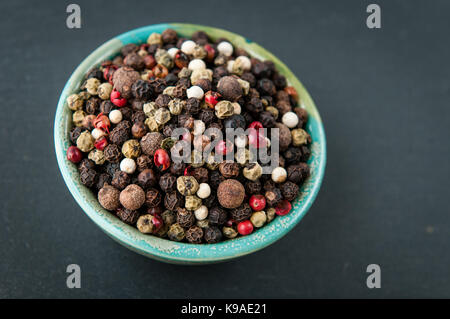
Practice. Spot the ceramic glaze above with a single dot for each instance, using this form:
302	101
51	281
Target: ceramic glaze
163	249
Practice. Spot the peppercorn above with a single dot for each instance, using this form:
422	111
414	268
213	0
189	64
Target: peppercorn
145	224
192	106
289	190
138	130
224	109
176	106
120	180
177	168
143	162
86	164
284	135
185	218
92	85
187	185
162	101
215	178
207	116
241	213
217	216
279	175
192	202
75	102
212	235
300	137
142	90
173	200
147	178
75	133
229	88
292	155
230	193
273	196
153	197
198	76
176	232
283	107
169	217
253	187
258	219
129	217
132	197
112	153
151	142
85	142
119	135
252	171
194	235
164	59
255	105
297	173
302	116
88	177
131	149
108	197
229	169
229	232
123	79
97	156
167	182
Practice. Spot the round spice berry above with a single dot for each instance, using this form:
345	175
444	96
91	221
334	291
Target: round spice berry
120	180
194	235
229	88
290	119
185	218
217	216
147	178
201	213
229	232
176	232
131	149
132	197
129	217
241	213
187	185
88	177
115	116
212	235
258	219
253	187
128	165
245	228
151	142
153	197
108	197
123	79
298	173
167	182
229	169
273	196
300	137
230	193
145	224
74	154
169	217
75	102
257	202
289	190
204	191
85	142
161	159
173	200
279	175
283	208
192	202
252	171
97	156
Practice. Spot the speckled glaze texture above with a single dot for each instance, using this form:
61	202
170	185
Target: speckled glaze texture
162	249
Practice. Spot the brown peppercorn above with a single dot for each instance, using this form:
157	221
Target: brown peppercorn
144	162
138	116
132	197
285	137
283	107
292	155
179	92
289	190
176	232
108	197
153	197
200	174
217	216
119	135
192	105
123	79
230	193
229	88
169	36
194	235
138	130
273	196
167	182
106	107
266	87
129	48
212	235
147	178
173	200
151	142
88	177
185	218
241	213
297	173
129	217
229	169
134	61
253	187
302	116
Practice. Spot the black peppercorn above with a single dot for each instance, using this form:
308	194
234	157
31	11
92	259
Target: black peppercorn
138	130
260	69
171	79
162	100
212	235
167	182
143	162
229	169
111	168
217	216
241	213
250	78
120	180
279	81
306	153
177	168
153	197
200	36
229	88
297	173
112	153
127	216
266	87
207	116
254	105
253	187
142	90
205	84
169	36
215	178
185	218
92	105
211	201
194	235
235	121
102	179
86	164
119	135
134	61
95	73
289	190
106	107
158	85
292	155
200	174
219	73
75	133
138	117
179	92
129	48
173	200
267	119
147	178
192	105
273	196
88	177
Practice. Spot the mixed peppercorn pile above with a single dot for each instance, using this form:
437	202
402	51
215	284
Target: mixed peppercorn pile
127	109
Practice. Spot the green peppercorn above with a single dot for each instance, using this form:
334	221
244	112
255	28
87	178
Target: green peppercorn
162	116
224	109
97	156
78	117
131	149
85	142
92	85
192	202
187	185
300	137
74	102
229	232
258	219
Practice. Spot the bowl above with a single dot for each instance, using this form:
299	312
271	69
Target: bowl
163	249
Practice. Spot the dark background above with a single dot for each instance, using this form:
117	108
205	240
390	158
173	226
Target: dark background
384	99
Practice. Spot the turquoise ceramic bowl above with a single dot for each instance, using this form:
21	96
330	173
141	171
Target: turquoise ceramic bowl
162	249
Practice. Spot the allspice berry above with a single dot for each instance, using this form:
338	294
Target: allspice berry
229	88
123	79
108	197
230	193
132	197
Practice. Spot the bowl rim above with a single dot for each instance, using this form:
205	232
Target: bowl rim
164	249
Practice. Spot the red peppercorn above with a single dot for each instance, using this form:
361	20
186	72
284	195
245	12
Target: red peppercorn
74	154
211	98
256	125
101	143
256	139
257	202
161	159
149	61
210	52
102	122
245	228
230	222
223	147
188	171
154	210
157	222
117	99
283	208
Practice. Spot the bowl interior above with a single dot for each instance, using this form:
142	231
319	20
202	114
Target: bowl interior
166	250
